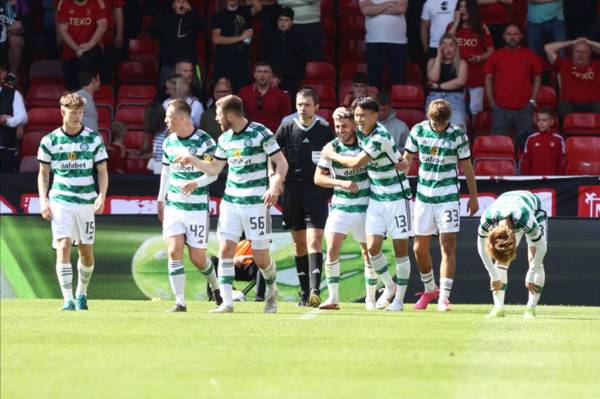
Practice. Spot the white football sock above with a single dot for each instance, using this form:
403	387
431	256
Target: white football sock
83	277
370	283
226	275
499	295
428	280
210	274
64	272
270	275
332	272
177	280
539	279
402	275
379	263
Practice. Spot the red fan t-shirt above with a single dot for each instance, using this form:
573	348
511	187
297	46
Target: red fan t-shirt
494	14
513	71
578	84
82	21
470	43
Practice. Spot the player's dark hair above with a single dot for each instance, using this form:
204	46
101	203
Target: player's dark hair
308	91
231	104
366	103
180	106
286	12
86	76
439	111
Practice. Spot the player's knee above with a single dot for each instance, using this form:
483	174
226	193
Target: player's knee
448	248
420	250
199	260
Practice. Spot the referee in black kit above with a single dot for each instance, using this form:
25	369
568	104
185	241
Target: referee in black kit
305	205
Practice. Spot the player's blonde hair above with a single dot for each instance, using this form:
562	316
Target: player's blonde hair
72	101
502	244
343	113
439	112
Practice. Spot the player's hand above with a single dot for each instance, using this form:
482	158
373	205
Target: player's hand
45	210
189	188
496	285
160	210
270	197
185	159
99	205
531	287
473	205
402	166
328	151
349	185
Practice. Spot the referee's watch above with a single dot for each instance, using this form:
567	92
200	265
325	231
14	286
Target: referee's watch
532	101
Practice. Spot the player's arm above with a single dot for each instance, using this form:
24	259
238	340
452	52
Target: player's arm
467	167
102	169
213	167
488	263
202	181
323	179
357	161
43	182
165	176
276	179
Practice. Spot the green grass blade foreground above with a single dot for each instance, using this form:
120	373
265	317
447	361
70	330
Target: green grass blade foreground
134	349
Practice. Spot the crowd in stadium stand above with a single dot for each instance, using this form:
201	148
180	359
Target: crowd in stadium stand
526	70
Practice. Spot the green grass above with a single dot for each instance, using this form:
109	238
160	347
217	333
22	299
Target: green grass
134	349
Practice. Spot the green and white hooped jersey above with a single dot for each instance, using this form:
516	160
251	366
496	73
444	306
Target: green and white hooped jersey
198	144
522	207
439	154
387	183
345	200
246	153
72	160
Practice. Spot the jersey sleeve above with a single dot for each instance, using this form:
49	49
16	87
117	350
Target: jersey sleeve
165	154
100	154
269	143
485	224
462	146
412	143
44	155
220	152
374	146
325	163
425	13
208	148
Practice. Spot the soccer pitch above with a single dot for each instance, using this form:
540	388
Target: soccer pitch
134	349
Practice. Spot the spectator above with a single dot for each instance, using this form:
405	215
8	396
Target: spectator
512	82
360	88
283	50
262	102
50	33
305	204
89	82
447	75
176	35
496	15
436	16
117	160
307	23
387	117
12	115
579	77
154	125
113	39
14	20
81	26
545	24
231	33
190	72
475	45
177	87
385	24
208	121
545	152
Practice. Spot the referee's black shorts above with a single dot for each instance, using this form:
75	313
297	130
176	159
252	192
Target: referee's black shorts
304	206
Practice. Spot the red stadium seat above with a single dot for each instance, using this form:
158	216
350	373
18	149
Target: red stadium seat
413	74
43	119
327	98
494	167
327	114
137	72
48	71
44	94
30	143
352	27
105	134
329	26
319	72
352	50
410	116
135	138
105	97
546	98
29	164
407	96
579	123
138	166
349	69
483	122
135	95
583	155
143	49
493	146
132	116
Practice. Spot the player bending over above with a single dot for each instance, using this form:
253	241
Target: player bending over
348	207
388	212
442	146
501	228
71	152
249	193
184	214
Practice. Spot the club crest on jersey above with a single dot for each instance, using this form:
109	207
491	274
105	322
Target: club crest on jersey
247	143
85	147
207	157
72	156
434	151
237	153
192	150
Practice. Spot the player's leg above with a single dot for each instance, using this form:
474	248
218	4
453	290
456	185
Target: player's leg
332	269
85	269
498	295
175	245
302	264
402	274
375	229
447	269
398	227
370	278
425	227
64	270
203	263
538	276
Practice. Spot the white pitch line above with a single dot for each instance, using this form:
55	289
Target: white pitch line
311	314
